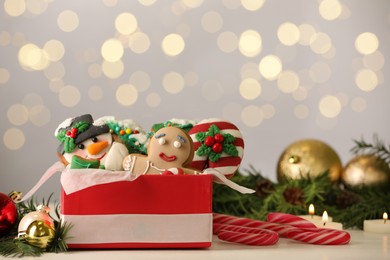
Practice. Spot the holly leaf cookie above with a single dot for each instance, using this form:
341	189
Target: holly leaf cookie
218	144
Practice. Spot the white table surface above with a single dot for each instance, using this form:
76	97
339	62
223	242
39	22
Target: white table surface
363	245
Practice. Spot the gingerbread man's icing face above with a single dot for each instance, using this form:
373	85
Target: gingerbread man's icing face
170	147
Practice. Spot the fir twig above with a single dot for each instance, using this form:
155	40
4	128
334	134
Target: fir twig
377	148
18	248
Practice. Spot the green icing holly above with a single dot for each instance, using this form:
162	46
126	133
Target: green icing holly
67	137
214	143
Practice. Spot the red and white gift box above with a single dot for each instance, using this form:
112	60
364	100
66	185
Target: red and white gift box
118	210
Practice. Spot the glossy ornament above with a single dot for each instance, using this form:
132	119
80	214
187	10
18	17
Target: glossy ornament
8	214
308	158
37	227
40	233
366	171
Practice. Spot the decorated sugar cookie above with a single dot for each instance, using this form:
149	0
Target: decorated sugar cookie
218	144
170	150
88	144
128	132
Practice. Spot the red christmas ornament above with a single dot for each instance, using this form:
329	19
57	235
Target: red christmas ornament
8	214
209	141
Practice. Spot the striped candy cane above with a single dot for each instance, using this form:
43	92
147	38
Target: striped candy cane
282	230
291	220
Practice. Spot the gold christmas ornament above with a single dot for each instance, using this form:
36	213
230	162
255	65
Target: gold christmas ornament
368	171
40	234
308	158
37	227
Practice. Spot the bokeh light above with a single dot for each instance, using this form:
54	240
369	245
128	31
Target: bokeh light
54	49
268	110
55	71
250	43
227	42
250	89
320	43
374	61
192	3
112	50
113	70
212	22
17	114
366	43
68	21
14	139
173	82
126	23
329	106
4	76
191	78
147	2
39	115
37	7
252	5
366	80
14	7
126	95
153	100
250	70
173	44
288	34
141	80
95	93
31	57
330	9
270	67
288	81
301	111
5	38
306	32
358	104
95	70
139	42
252	116
69	96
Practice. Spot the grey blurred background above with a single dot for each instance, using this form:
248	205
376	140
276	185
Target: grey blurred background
280	70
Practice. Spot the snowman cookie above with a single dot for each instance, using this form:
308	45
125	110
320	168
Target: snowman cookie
88	144
170	151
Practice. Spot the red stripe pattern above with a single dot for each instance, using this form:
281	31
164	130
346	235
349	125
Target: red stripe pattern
250	232
227	165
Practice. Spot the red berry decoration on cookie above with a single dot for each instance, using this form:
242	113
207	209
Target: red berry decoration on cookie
218	144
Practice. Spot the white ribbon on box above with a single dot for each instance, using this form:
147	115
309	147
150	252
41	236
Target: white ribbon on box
81	179
84	178
139	228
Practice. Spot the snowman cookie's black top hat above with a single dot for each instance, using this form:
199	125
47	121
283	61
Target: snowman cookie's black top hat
74	131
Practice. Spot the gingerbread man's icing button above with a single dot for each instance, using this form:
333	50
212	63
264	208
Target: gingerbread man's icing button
169	147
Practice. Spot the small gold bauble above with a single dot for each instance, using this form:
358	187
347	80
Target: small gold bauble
40	214
308	158
40	233
368	171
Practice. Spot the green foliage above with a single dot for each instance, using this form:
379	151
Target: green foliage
377	148
12	246
293	196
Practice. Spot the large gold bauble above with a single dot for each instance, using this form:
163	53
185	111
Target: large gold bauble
40	233
308	158
368	171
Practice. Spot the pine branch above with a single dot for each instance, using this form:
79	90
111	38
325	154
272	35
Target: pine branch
18	248
376	148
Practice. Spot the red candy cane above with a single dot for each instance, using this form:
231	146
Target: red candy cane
289	219
321	236
282	230
257	238
301	231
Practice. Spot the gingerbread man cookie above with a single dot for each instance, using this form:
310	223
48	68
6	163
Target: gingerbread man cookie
170	150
